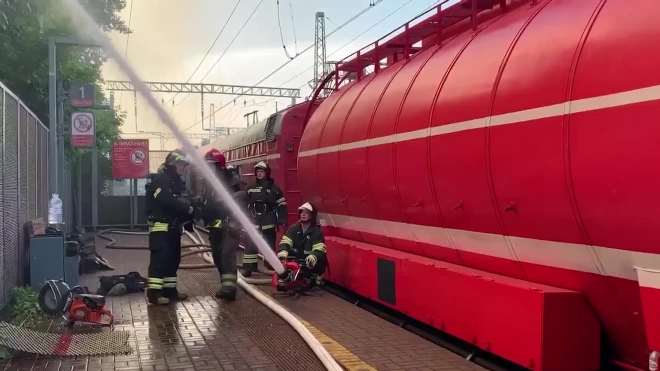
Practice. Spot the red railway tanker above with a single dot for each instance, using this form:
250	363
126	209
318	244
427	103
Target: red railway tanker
493	176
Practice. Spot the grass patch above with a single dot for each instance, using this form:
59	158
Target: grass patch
23	310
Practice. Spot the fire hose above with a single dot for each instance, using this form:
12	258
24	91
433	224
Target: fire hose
243	282
201	248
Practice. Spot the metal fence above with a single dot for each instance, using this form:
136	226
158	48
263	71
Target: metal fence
23	185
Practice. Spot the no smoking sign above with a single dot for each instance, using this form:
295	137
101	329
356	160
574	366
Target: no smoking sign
138	156
83	129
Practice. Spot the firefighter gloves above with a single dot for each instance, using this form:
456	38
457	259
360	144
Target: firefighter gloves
311	260
282	255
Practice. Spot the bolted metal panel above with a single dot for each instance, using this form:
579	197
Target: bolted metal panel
23	191
2	199
33	181
10	195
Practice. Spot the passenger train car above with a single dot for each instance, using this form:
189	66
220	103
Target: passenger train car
492	174
274	140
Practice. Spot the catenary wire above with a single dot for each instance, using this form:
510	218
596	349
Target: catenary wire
371	5
217	37
226	49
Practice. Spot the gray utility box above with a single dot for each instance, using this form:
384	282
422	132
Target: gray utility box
49	261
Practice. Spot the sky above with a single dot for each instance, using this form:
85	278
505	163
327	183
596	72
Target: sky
170	38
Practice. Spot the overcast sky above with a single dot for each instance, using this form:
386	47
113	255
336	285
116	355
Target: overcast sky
170	38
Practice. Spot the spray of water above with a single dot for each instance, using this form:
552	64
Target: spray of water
86	26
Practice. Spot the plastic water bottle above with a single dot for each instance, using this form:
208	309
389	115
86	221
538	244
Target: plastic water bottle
55	210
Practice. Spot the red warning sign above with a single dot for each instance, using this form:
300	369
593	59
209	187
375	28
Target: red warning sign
130	159
83	131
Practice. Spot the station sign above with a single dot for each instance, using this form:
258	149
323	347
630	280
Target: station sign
130	159
83	129
81	95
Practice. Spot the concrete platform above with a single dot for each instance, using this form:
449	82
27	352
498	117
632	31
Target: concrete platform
204	333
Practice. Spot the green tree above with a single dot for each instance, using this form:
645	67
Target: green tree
25	26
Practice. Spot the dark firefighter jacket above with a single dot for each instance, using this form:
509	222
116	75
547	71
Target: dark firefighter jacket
164	202
265	197
216	210
300	244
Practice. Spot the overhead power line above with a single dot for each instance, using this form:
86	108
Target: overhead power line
279	25
227	48
371	5
293	26
345	45
217	37
128	38
348	43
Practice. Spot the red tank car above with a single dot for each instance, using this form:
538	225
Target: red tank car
495	177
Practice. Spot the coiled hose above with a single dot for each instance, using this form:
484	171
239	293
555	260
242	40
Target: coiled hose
200	248
244	283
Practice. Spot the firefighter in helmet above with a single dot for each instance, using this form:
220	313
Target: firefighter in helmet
267	206
305	240
224	231
167	213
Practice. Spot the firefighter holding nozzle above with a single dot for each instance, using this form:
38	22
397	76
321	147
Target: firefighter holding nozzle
168	211
305	240
267	206
224	230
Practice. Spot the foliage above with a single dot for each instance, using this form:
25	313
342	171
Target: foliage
23	310
24	307
25	26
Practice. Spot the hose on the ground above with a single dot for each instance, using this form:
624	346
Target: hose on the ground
243	282
201	248
316	346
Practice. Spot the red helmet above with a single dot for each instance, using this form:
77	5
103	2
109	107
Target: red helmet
216	157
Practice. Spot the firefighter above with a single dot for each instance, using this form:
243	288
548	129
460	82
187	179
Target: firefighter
304	240
267	206
224	231
167	212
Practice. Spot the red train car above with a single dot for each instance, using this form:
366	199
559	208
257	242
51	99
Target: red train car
274	140
494	177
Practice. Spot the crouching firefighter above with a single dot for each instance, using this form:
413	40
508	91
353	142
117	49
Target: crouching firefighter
167	212
224	231
305	241
267	207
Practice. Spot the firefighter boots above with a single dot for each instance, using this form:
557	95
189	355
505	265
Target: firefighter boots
227	293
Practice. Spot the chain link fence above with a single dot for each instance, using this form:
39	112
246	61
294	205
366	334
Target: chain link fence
23	185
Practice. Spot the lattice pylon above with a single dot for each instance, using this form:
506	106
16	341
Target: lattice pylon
320	63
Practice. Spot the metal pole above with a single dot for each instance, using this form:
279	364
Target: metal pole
130	201
52	117
79	194
135	203
61	174
95	187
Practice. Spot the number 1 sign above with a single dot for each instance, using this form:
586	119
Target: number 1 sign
81	95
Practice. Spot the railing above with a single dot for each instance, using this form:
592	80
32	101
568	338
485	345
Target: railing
422	32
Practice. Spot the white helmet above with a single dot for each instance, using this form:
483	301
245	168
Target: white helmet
306	206
261	165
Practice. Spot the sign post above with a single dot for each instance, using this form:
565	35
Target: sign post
130	159
83	129
81	95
